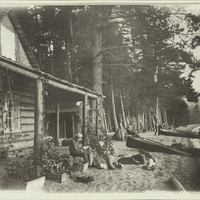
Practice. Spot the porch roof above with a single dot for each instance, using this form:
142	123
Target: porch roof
48	78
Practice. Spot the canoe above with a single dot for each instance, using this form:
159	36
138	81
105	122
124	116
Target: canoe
189	128
180	134
152	146
193	151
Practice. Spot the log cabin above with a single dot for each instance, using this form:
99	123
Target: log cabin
34	104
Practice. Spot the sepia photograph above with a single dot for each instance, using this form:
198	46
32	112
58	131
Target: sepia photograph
100	98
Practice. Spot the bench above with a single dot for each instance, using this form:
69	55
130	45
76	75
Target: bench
77	165
63	150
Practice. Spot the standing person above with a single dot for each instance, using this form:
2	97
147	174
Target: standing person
76	148
157	130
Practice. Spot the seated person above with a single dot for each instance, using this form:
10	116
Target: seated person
76	149
89	155
130	131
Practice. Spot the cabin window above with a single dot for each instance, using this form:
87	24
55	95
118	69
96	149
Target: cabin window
7	43
11	112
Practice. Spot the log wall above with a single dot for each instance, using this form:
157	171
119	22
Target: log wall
24	138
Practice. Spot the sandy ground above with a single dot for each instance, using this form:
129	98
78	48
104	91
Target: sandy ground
133	178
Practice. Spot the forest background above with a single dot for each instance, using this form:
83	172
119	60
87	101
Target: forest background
132	54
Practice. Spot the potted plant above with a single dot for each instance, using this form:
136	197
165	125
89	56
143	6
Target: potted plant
24	173
28	172
56	165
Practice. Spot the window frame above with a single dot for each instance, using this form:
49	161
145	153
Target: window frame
9	123
7	55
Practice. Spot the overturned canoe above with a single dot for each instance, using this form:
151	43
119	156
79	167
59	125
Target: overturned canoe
180	134
152	146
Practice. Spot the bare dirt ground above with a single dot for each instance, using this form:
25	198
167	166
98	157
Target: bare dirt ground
133	178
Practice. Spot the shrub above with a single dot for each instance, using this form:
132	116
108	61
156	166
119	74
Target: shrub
102	144
25	168
38	163
53	162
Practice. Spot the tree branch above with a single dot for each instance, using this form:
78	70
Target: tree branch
120	62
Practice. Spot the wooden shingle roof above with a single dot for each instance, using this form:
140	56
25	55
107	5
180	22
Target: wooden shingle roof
3	11
15	22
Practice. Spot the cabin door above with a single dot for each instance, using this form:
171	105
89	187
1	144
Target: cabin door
66	125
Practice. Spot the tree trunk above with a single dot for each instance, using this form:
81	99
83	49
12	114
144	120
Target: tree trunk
129	118
109	122
97	49
104	119
138	125
73	57
113	103
67	57
123	113
150	120
68	68
121	131
165	118
51	58
97	62
157	115
143	120
135	124
97	117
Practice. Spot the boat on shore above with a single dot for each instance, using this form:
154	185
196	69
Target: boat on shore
186	134
152	146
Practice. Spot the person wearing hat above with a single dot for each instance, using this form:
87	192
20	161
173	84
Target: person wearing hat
76	149
130	131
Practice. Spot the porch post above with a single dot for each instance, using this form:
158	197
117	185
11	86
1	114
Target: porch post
1	100
39	130
57	124
97	117
64	129
73	125
85	137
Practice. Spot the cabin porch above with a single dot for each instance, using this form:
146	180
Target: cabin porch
45	97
